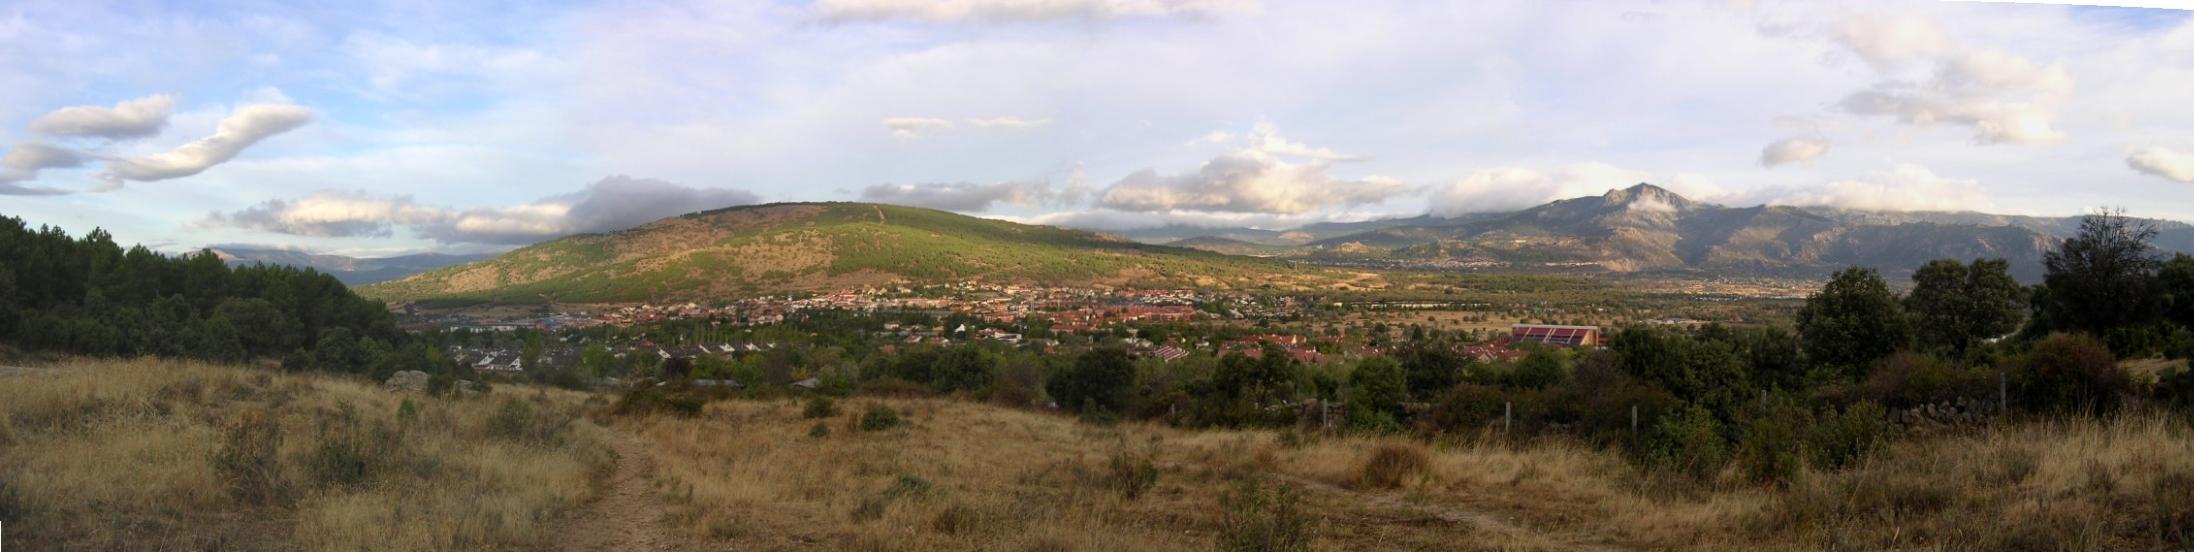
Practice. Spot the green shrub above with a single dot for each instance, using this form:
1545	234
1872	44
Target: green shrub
819	430
879	418
1688	442
1843	438
643	399
1908	379
249	461
1771	448
819	407
1253	519
2072	373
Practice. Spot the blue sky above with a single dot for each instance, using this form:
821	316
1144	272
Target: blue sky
377	128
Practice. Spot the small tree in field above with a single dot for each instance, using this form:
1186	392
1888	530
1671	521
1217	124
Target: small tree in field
2102	279
1954	306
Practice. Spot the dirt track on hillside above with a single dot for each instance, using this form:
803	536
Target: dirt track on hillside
629	514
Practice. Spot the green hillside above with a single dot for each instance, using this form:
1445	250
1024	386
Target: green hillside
744	251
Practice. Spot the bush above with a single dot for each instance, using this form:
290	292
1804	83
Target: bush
1131	474
643	399
1253	519
351	451
879	418
1908	379
1688	442
1392	465
516	420
1843	438
819	407
2072	373
1771	448
819	430
248	461
893	387
1466	407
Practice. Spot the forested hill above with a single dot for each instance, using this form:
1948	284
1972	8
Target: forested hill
825	246
90	296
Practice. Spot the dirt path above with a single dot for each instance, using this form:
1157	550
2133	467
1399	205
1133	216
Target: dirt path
1448	513
629	516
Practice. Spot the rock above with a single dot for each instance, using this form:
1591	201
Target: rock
407	381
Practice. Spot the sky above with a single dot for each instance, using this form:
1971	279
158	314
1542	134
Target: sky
376	128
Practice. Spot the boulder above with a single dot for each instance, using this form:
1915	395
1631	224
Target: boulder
408	381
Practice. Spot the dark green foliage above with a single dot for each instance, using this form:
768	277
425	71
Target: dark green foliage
2175	387
1432	367
1774	355
1688	442
2102	279
643	399
2072	373
819	430
1853	321
1539	370
1099	378
1707	372
1907	380
1254	519
1770	448
963	368
1377	386
879	418
89	296
819	407
1841	438
1955	306
1244	390
2176	280
1601	397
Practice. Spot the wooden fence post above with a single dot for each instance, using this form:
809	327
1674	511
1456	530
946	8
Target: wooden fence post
1508	412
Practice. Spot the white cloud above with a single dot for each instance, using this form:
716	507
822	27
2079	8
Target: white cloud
613	203
1265	138
136	118
1511	188
1792	150
240	129
2163	162
964	196
914	127
941	11
331	213
2005	99
1246	182
1007	122
1908	187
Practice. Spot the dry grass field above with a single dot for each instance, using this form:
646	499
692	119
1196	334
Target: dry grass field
150	454
957	475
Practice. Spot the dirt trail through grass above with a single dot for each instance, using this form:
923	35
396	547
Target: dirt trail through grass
1388	500
629	516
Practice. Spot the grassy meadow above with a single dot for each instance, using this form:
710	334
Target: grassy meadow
955	475
151	454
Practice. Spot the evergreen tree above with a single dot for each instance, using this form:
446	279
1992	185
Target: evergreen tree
1954	306
1852	321
2102	279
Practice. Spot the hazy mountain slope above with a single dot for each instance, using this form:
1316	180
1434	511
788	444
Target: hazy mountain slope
822	246
1647	228
350	270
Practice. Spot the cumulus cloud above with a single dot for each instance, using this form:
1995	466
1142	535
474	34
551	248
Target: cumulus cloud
331	213
1511	188
1246	182
1907	187
240	129
136	118
2005	99
613	203
25	160
914	127
2164	162
952	11
1792	150
1007	122
964	196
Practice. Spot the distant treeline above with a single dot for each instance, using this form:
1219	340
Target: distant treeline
90	296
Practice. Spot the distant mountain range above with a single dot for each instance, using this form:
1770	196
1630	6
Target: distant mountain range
350	270
1646	228
785	247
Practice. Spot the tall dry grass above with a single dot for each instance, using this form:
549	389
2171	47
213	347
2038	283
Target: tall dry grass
960	475
147	454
